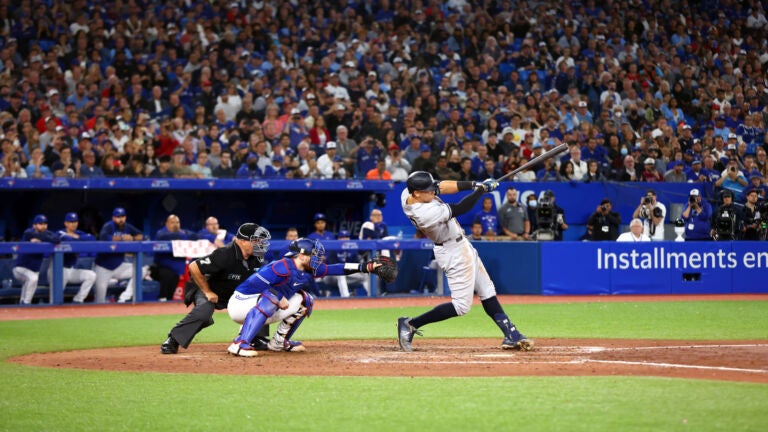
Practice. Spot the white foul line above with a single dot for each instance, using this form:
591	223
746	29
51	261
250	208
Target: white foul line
672	365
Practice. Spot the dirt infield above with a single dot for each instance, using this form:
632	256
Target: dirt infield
745	361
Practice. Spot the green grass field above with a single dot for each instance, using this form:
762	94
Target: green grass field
42	399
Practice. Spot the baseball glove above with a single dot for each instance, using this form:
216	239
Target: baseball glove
387	271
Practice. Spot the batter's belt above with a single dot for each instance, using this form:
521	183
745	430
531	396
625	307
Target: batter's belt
456	240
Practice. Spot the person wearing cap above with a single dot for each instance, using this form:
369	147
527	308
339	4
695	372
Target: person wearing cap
113	265
325	163
696	174
179	168
726	220
677	174
603	224
697	215
213	280
71	273
347	256
320	222
167	269
26	268
277	168
650	174
295	128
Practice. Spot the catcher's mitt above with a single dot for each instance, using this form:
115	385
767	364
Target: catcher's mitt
387	271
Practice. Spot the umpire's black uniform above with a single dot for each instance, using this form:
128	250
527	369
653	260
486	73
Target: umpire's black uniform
224	269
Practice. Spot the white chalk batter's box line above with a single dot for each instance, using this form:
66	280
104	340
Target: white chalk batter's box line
433	358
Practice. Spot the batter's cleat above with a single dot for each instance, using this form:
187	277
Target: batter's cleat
405	332
242	349
288	345
170	346
522	344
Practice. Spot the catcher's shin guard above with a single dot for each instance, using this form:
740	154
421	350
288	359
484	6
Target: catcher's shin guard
257	316
281	341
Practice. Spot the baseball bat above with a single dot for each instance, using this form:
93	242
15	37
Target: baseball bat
540	158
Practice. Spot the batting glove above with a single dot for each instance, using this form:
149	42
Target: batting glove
490	185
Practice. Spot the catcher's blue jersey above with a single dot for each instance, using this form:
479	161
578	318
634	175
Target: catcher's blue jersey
285	278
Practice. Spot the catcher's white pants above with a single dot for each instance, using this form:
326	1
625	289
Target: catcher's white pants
343	282
86	278
240	304
123	271
465	272
28	280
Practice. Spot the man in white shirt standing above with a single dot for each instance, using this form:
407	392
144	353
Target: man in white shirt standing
635	233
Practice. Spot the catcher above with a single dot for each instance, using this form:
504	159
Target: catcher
277	293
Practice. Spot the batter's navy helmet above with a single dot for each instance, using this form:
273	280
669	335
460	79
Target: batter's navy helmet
307	246
421	181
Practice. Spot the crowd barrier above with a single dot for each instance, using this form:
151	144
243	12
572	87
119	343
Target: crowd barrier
539	268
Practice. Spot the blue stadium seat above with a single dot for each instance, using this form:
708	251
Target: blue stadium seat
505	69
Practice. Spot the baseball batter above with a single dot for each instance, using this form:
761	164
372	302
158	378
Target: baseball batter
455	255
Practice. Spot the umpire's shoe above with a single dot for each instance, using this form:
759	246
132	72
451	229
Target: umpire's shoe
170	346
405	332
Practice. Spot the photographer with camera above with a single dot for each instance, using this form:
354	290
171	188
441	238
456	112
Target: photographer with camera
726	219
753	226
603	224
652	213
696	216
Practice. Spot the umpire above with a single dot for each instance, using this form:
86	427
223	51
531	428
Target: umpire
214	279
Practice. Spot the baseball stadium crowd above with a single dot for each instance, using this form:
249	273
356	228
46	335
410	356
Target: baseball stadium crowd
640	90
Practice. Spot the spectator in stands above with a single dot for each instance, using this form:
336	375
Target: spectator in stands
277	169
167	269
214	234
11	167
488	218
367	155
652	214
179	167
224	168
594	172
650	174
732	178
635	233
113	265
549	172
513	217
163	169
320	222
37	167
380	172
27	266
89	169
476	231
374	228
751	219
71	273
676	174
347	256
603	224
398	166
200	168
250	169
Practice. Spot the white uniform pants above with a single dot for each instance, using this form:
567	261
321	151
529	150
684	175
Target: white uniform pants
344	281
86	278
465	272
28	280
123	271
240	304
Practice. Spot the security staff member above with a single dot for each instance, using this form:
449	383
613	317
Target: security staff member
214	279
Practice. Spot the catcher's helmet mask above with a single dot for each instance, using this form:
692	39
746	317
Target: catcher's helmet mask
306	246
421	181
